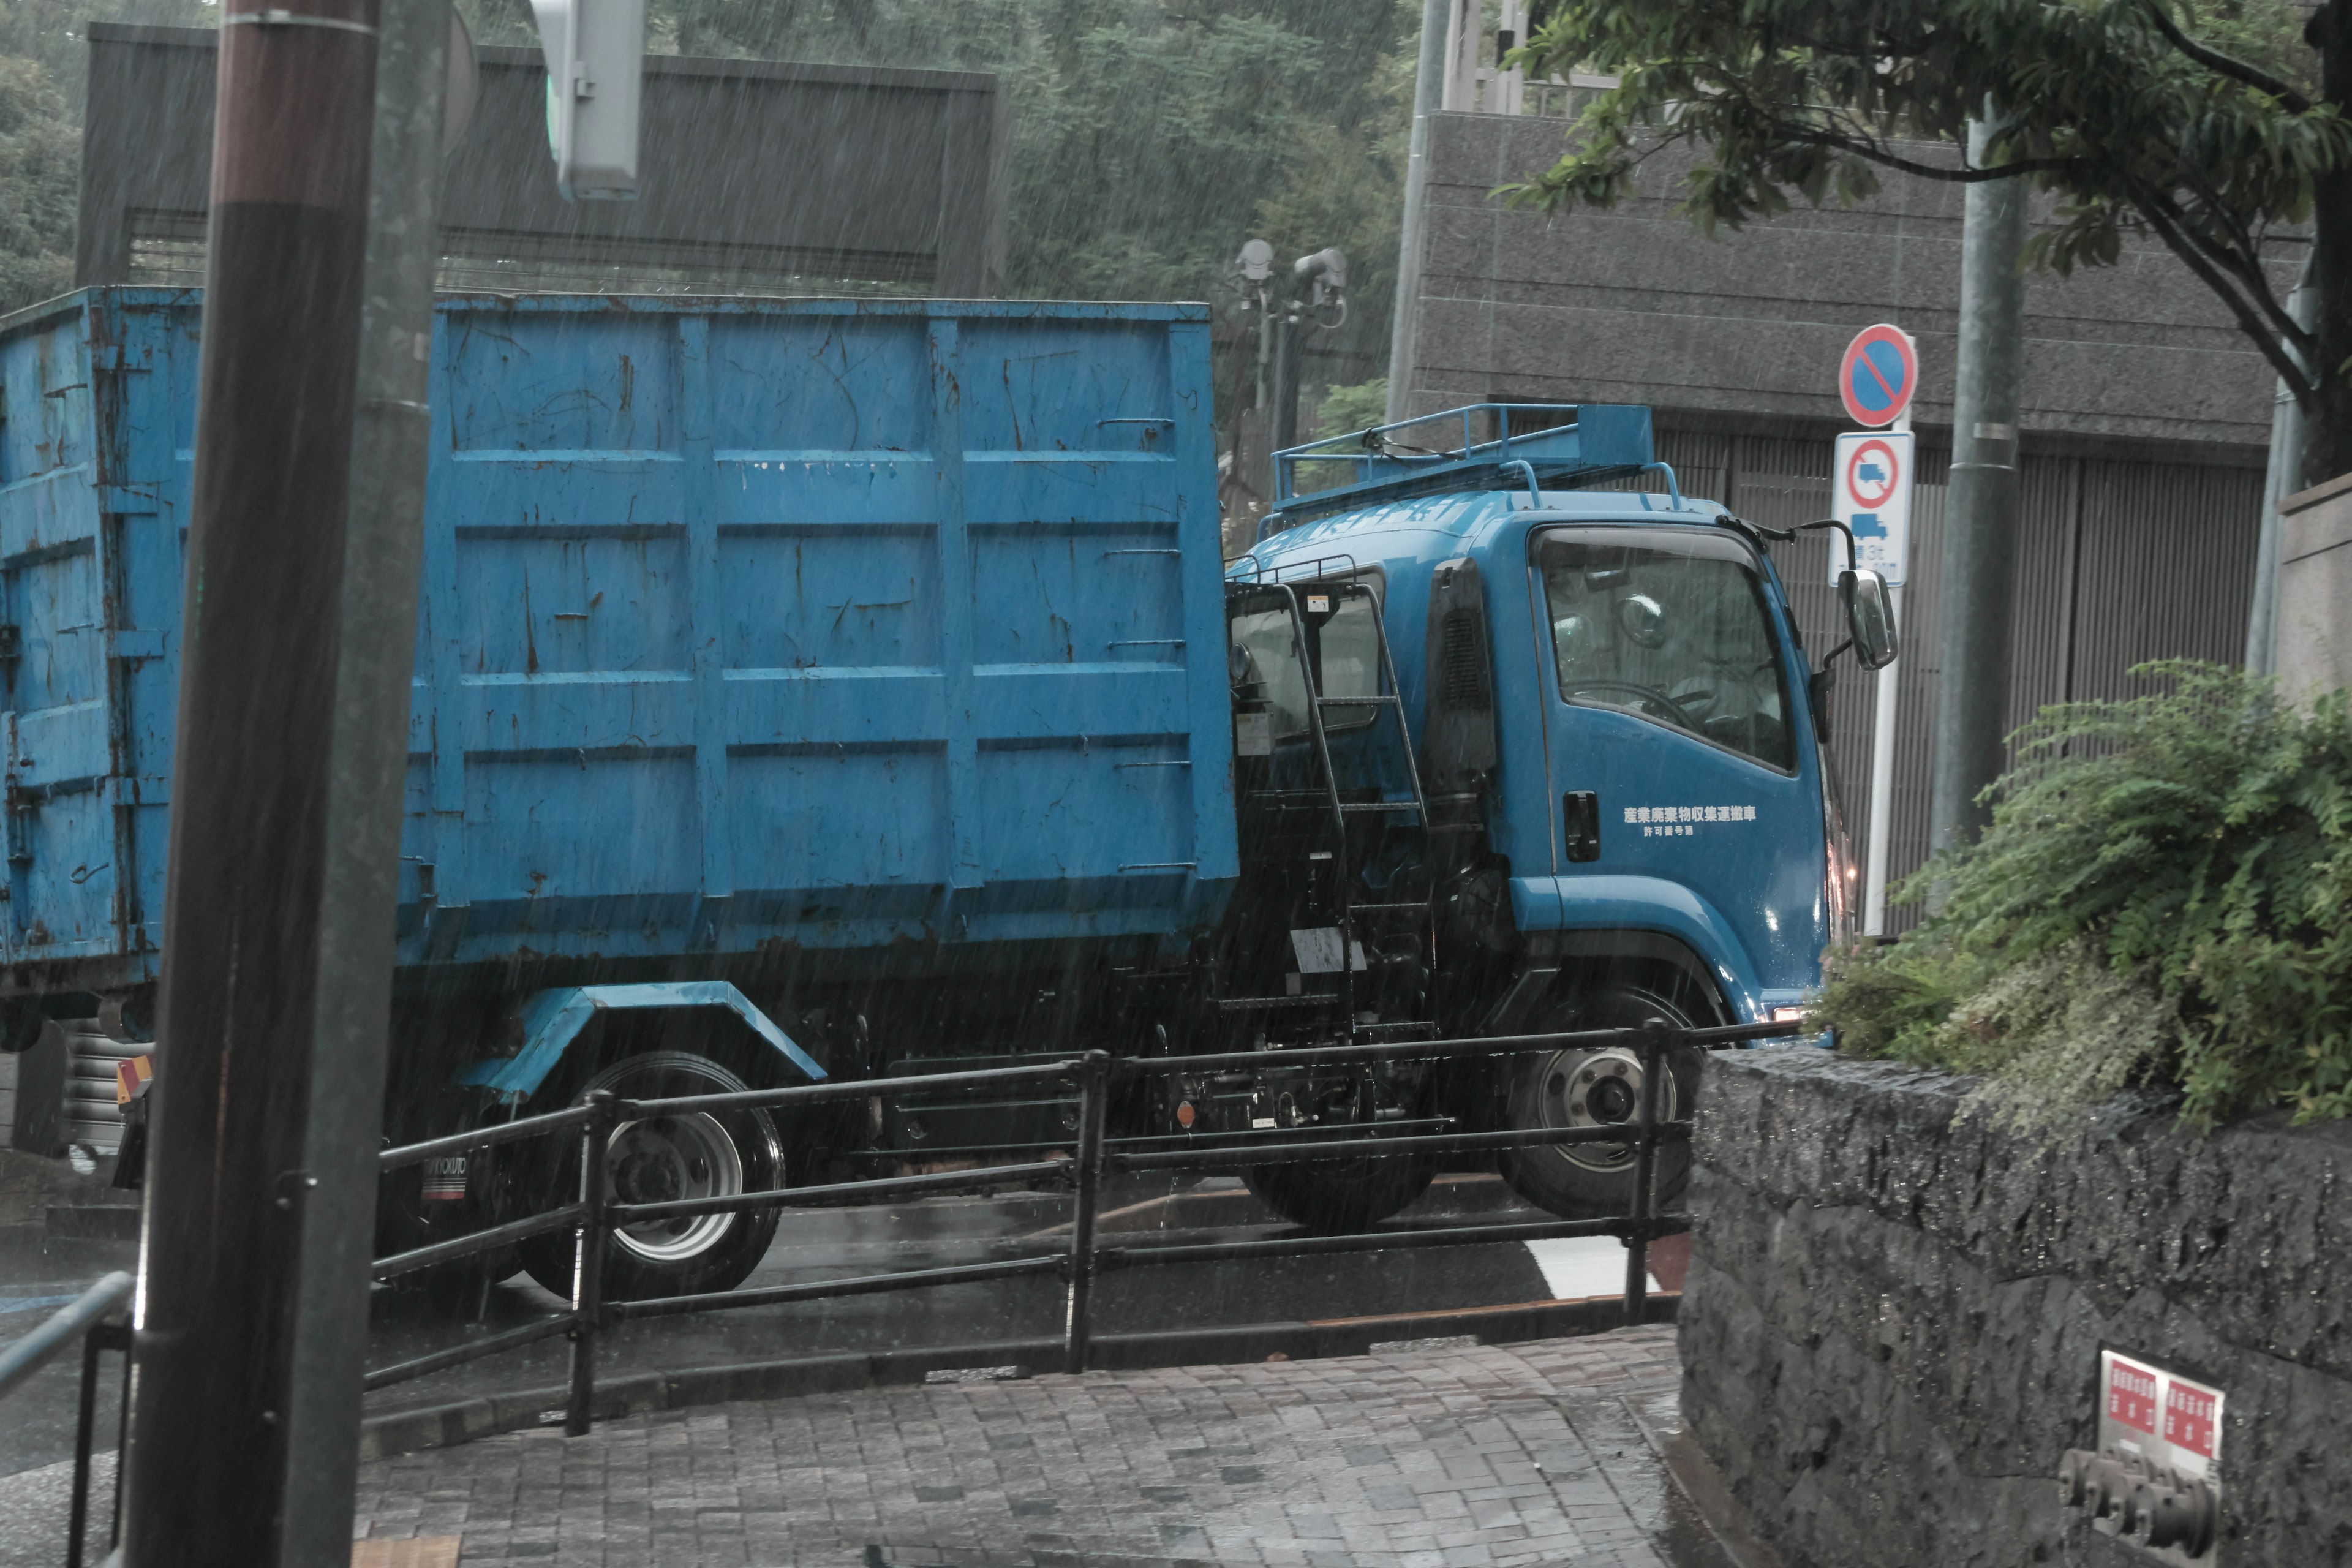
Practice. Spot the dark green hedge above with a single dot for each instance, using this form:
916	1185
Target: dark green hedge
2164	899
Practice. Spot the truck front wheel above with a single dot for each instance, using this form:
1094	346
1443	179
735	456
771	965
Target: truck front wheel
1597	1087
656	1159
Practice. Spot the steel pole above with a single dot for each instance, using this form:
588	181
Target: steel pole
228	1178
1658	1037
382	555
1289	334
1886	713
1428	93
2280	480
589	1244
1086	1202
1980	563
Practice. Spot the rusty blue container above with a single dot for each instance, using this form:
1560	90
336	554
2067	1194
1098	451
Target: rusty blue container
748	626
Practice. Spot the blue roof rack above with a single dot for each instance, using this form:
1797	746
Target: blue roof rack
1580	443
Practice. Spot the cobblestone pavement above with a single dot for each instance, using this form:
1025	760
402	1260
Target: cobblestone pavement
1440	1455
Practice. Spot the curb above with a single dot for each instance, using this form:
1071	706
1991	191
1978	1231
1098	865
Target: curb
461	1421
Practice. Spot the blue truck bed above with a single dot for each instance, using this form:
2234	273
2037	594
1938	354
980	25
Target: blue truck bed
747	625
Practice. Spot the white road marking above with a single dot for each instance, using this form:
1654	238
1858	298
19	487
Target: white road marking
1575	1267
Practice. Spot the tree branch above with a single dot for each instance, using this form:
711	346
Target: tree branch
2214	60
2299	380
1864	147
2245	266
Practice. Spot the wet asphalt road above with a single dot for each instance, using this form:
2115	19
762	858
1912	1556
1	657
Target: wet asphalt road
819	1244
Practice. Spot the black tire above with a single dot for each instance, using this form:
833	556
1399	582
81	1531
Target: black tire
656	1159
1340	1194
1583	1088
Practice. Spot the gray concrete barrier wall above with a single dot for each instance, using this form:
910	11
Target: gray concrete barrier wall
1891	1322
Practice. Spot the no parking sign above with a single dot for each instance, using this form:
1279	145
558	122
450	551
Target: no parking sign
1879	375
1871	494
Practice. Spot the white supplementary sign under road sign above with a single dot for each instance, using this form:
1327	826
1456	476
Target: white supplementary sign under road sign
1870	492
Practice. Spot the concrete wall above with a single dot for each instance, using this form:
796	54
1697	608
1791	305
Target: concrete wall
2314	589
751	171
1891	1325
1635	305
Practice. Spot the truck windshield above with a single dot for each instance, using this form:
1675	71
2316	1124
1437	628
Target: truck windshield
1673	628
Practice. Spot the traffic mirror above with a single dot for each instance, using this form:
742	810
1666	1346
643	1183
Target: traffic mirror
595	53
1869	616
464	85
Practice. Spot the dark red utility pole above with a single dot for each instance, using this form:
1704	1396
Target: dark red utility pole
207	1462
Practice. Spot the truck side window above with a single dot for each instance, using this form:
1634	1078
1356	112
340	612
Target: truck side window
1673	629
1350	649
1273	666
1345	643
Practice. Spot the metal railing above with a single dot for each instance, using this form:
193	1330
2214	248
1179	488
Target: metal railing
94	1318
593	1213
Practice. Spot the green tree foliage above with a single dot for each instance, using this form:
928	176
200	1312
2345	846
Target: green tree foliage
2200	122
42	79
40	188
2164	898
1358	408
53	32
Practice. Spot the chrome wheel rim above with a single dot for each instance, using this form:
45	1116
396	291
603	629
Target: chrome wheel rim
662	1159
1598	1088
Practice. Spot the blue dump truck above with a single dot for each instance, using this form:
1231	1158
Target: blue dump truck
853	688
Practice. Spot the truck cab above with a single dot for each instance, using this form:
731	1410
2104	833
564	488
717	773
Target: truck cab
1613	724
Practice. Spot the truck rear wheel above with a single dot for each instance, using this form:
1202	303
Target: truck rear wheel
1340	1194
1597	1089
656	1159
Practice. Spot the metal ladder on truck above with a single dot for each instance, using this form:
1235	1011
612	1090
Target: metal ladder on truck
1326	795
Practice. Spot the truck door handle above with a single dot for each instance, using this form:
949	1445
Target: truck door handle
1580	820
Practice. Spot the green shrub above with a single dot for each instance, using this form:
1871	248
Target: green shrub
2164	898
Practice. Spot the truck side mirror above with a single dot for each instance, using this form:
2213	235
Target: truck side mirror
1870	616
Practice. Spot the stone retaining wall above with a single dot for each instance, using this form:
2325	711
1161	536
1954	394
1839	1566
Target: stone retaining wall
1891	1327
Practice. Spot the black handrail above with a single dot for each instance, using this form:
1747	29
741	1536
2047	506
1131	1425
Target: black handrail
91	1318
1094	1076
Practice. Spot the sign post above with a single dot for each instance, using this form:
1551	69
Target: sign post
1871	484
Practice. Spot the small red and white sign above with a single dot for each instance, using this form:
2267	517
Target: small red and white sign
2131	1395
1872	473
2189	1414
1872	496
1879	375
2169	1420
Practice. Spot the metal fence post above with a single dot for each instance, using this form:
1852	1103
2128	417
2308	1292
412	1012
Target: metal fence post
1657	1038
85	1423
121	1335
1093	1100
588	1262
